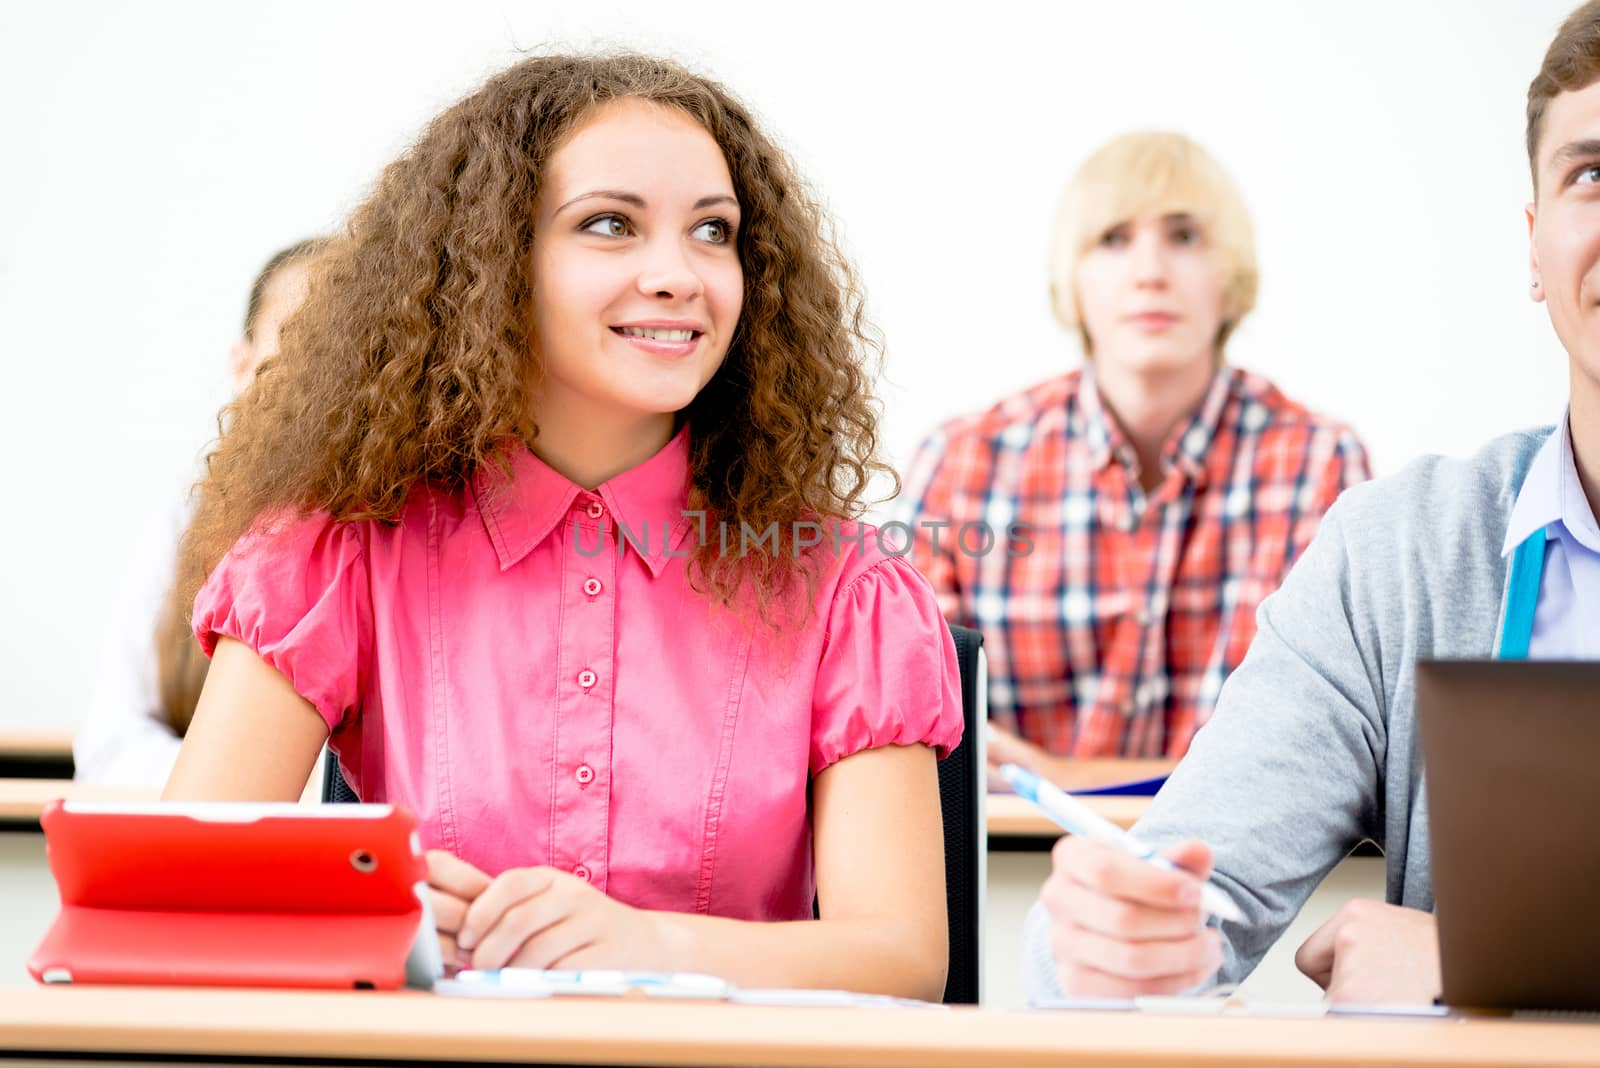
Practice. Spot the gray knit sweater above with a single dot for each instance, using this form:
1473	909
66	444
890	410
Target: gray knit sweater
1313	746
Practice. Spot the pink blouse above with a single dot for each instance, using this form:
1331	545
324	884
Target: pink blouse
540	688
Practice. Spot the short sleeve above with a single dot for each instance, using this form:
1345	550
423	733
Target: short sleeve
298	595
888	673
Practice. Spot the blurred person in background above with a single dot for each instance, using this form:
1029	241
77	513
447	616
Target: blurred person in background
151	669
1157	493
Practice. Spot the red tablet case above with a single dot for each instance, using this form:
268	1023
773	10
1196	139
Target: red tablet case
231	895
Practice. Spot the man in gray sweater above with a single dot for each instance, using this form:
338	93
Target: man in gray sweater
1313	746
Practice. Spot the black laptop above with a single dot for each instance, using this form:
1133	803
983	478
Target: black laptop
1512	756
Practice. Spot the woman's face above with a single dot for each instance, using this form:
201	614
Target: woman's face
1150	294
284	293
636	277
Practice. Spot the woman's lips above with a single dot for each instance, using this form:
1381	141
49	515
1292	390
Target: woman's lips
661	346
1153	322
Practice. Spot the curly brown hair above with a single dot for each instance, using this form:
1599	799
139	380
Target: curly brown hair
412	359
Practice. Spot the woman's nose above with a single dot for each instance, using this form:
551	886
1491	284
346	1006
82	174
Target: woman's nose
668	273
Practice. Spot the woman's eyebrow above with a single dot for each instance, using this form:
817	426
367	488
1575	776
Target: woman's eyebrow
605	194
638	201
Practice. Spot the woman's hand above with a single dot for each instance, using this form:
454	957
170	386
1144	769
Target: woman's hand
545	918
453	885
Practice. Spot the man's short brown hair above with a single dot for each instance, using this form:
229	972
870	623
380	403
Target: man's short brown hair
1571	63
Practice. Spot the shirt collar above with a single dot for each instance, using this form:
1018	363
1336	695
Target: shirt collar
1186	447
1552	493
520	509
1576	514
1190	443
1100	431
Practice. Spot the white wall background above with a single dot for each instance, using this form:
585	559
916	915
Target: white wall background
154	154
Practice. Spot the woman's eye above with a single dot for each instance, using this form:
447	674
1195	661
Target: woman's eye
607	226
1589	175
1186	235
716	231
1114	238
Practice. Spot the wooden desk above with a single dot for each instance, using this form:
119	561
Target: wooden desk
1017	827
369	1027
36	743
1009	816
21	800
36	754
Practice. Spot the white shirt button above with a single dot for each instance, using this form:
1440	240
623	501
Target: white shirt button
585	775
592	587
1129	523
581	872
596	509
587	679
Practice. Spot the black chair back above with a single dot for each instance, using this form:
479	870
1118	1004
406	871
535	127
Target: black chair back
335	791
961	786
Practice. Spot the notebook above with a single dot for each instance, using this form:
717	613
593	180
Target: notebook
1146	787
1511	751
278	895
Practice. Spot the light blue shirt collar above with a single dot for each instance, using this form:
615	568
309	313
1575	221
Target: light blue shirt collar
1553	495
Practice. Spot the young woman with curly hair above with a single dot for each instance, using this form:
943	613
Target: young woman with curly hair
475	522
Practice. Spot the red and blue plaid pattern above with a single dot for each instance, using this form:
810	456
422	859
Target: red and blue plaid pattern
1112	617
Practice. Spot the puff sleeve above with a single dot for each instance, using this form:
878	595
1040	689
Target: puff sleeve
298	595
888	673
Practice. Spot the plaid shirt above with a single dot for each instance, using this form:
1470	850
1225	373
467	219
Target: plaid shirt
1111	617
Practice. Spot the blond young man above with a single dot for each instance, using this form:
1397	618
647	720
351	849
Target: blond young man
1156	495
1314	743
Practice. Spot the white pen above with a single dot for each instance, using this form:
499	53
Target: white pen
1073	816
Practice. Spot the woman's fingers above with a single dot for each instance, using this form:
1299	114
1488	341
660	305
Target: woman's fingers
448	911
532	918
488	909
452	886
450	873
555	943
